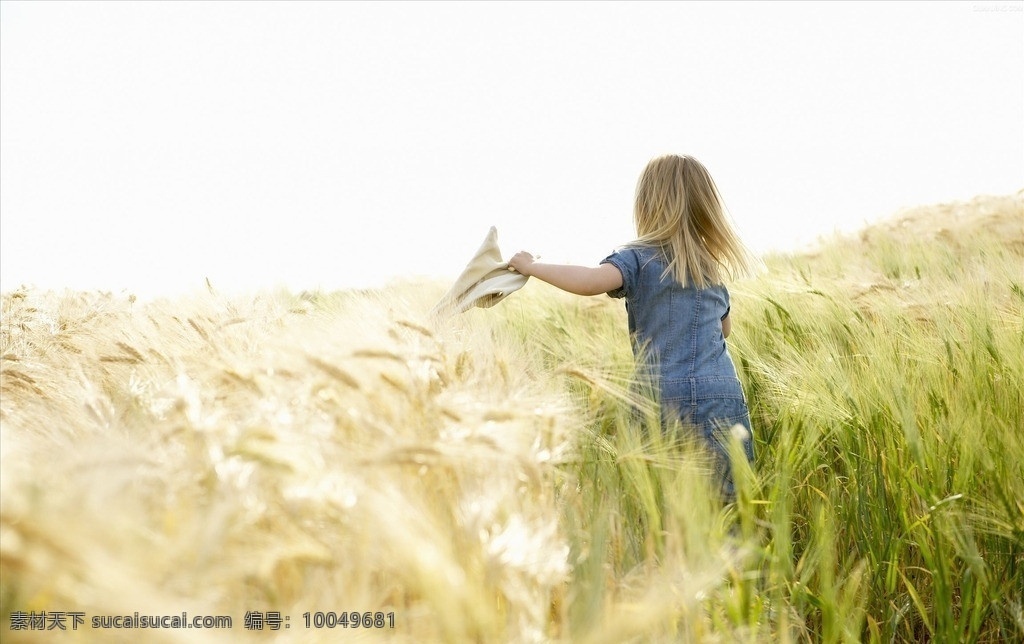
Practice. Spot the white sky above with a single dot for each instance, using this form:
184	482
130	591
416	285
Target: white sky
145	146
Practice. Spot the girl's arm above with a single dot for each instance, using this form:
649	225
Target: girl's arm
726	326
581	280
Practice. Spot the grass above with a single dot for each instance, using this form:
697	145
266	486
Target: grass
492	479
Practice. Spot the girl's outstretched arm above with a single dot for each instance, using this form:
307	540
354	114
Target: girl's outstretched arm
581	280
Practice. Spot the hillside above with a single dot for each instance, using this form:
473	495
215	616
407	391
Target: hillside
300	456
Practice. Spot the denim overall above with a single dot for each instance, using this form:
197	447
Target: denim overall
676	332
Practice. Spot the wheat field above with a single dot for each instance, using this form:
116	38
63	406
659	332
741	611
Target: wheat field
287	459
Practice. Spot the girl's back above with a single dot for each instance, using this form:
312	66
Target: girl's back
677	338
674	327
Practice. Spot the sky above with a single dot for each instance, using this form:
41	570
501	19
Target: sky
146	147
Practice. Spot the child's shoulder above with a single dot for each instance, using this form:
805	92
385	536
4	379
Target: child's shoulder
639	251
631	256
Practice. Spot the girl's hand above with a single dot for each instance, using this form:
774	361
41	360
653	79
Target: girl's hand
521	262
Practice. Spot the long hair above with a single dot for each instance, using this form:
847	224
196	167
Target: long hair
678	208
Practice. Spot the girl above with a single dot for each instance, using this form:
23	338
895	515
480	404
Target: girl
678	308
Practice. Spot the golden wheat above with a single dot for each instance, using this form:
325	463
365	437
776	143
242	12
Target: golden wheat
492	478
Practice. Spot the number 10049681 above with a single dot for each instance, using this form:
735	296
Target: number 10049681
349	619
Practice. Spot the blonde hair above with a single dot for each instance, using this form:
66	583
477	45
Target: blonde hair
679	209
